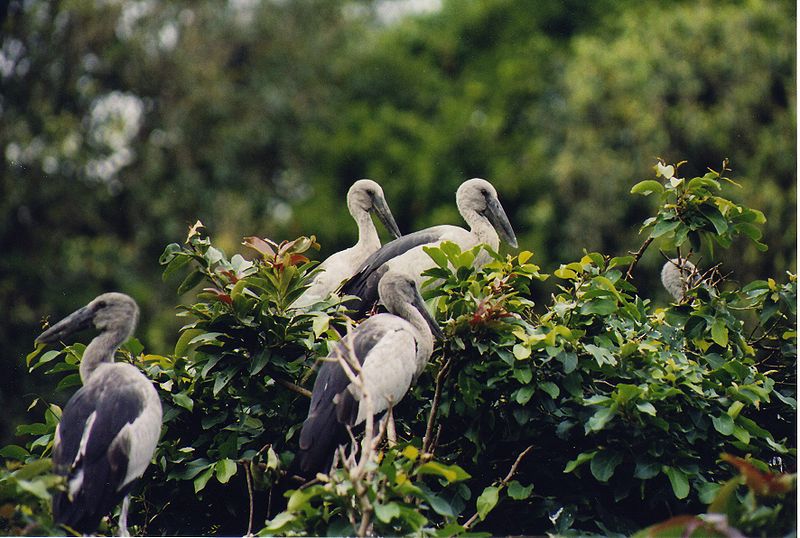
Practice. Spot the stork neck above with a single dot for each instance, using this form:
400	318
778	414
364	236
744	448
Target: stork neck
482	229
367	234
100	350
422	335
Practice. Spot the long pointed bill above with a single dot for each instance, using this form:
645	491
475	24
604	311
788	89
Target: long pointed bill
385	215
419	304
497	216
77	321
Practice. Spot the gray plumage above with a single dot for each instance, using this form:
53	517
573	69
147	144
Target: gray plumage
110	427
480	207
392	350
677	276
364	197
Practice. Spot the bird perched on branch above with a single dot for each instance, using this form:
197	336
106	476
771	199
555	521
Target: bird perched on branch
677	276
110	427
480	207
390	351
364	197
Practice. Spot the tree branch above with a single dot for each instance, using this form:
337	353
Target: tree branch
248	473
292	387
427	441
503	483
637	257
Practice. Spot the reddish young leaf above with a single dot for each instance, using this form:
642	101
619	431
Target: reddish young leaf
761	483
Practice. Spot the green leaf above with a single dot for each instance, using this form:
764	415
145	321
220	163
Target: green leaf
550	388
719	332
183	341
646	469
723	424
225	469
601	417
14	452
523	394
715	217
647	187
192	279
604	463
663	227
201	481
519	492
487	501
451	473
437	256
647	408
678	480
580	460
183	400
387	512
602	307
521	351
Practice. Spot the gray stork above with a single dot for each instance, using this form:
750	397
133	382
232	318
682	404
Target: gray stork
110	427
678	275
480	207
365	196
392	350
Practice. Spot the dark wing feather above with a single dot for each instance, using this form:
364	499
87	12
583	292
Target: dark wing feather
364	284
103	466
322	430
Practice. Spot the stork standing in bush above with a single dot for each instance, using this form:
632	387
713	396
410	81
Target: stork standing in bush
110	427
392	351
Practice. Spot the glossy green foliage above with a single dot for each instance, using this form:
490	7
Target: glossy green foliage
407	495
599	411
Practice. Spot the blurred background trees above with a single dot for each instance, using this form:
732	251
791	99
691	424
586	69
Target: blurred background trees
124	121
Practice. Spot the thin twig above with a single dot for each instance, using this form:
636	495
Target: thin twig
248	473
427	441
503	483
637	257
292	387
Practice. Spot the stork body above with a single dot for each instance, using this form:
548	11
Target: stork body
480	207
392	350
677	276
363	198
110	427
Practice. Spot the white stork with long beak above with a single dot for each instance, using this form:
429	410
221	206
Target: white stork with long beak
364	197
480	207
110	427
392	350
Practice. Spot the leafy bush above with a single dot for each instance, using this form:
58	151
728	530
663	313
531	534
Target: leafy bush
598	412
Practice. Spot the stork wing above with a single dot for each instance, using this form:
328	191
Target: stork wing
86	454
322	431
364	284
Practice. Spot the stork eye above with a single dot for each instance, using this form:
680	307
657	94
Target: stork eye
102	304
484	191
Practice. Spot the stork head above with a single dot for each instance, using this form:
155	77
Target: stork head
398	291
109	312
479	196
367	196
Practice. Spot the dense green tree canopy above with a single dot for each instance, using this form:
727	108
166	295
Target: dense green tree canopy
124	121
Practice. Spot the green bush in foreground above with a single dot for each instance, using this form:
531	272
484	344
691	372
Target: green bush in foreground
599	412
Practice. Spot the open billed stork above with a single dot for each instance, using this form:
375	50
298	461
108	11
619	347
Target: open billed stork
677	276
480	207
110	427
392	350
364	197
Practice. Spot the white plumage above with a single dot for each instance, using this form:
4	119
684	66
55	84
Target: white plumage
364	197
110	427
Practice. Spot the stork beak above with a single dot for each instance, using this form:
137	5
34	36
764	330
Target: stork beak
77	321
381	209
419	304
497	216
